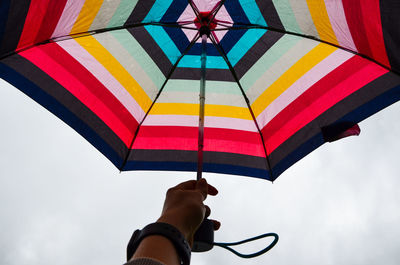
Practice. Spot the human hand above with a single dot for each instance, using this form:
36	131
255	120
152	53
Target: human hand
184	208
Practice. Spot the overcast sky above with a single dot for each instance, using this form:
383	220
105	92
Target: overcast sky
62	202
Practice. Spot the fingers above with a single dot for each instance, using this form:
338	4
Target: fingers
202	187
187	185
208	211
216	224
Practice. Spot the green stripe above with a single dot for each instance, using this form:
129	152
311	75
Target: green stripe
286	15
140	56
122	13
220	87
268	59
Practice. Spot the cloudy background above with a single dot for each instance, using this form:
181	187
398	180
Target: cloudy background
62	202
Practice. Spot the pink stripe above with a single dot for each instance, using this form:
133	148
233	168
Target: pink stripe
205	6
338	21
329	64
108	80
316	108
193	121
68	18
191	144
75	87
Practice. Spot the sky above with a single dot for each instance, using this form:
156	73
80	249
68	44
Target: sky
62	202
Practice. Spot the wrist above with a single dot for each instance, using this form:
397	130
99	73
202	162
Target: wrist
185	231
161	235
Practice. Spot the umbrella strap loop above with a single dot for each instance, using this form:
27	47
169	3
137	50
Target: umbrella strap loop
248	256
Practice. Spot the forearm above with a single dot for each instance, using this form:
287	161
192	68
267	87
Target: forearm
159	248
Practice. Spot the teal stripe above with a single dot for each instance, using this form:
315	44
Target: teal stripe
157	11
268	59
140	56
193	61
122	13
244	44
286	15
253	12
164	42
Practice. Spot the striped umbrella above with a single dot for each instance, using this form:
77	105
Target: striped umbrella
277	78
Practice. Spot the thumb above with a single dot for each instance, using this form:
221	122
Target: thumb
202	187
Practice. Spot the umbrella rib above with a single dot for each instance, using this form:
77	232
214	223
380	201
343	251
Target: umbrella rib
254	26
157	96
98	31
215	11
222	53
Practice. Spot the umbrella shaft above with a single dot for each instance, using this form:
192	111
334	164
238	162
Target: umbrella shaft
202	102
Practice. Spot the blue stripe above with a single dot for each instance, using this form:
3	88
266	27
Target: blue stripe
164	42
174	11
306	148
157	11
253	13
356	116
44	99
194	61
244	44
192	167
236	12
4	8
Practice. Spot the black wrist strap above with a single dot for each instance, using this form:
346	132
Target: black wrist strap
173	234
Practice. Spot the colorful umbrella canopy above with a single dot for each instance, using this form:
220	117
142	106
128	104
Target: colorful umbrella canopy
282	76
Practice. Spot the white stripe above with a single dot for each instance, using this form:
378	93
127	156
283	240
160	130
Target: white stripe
193	121
113	46
280	67
101	73
105	14
303	17
329	64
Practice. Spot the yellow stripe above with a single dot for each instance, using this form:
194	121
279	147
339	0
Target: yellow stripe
321	20
86	16
301	67
193	109
116	69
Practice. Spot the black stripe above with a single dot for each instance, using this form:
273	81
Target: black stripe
63	96
152	49
390	12
270	14
140	11
221	158
211	74
362	96
17	13
256	52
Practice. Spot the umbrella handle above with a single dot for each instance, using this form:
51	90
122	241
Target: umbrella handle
204	237
204	241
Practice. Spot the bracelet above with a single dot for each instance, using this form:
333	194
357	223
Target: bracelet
173	234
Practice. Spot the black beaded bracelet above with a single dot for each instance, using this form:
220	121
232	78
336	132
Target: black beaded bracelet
173	234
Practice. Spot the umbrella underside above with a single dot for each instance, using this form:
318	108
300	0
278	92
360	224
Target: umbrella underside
283	77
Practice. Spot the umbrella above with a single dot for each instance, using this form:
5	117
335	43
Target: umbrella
277	79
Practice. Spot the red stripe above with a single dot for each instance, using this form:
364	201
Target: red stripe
328	92
329	81
355	21
185	138
364	20
50	21
373	27
36	13
92	83
84	87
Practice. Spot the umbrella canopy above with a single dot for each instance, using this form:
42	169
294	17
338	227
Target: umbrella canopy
283	76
